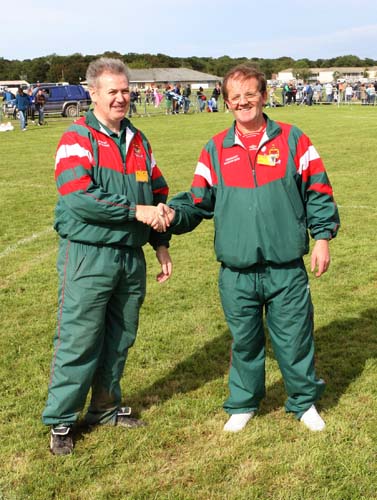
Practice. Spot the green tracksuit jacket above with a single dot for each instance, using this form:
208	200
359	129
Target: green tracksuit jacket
262	211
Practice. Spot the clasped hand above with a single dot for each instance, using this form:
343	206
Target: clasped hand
159	218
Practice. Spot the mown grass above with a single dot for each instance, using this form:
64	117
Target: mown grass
176	375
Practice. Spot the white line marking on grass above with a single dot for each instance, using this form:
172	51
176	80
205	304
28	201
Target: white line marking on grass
358	207
24	241
20	184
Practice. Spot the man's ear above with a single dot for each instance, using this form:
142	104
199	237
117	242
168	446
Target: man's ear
93	93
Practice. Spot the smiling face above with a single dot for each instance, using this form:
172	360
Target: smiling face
246	103
111	98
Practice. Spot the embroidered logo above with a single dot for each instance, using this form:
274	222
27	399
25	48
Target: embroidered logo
104	144
137	151
231	159
274	152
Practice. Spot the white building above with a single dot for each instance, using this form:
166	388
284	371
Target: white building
324	75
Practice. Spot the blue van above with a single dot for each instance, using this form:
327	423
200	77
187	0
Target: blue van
66	100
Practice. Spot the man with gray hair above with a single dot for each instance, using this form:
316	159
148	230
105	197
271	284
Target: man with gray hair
109	186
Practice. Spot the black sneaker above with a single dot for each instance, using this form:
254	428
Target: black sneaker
61	442
124	419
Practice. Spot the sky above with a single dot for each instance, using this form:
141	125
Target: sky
244	28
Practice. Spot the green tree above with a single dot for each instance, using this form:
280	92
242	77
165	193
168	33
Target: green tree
302	74
348	61
336	75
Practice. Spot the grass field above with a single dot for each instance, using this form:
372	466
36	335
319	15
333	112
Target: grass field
176	375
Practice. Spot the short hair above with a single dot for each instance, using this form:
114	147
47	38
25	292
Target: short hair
105	64
244	72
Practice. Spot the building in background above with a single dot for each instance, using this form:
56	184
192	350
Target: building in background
158	77
325	75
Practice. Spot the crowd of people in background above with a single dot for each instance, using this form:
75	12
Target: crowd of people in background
176	98
331	92
179	98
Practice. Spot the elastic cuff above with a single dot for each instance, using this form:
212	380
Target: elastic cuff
132	211
237	411
325	235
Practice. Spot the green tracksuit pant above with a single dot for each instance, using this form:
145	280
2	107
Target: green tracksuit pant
101	290
283	291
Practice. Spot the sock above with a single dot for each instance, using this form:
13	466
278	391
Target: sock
313	420
238	421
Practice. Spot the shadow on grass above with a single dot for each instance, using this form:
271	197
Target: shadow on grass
342	348
208	363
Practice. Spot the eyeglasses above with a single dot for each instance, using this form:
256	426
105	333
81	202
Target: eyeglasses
249	97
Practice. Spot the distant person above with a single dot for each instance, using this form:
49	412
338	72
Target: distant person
186	93
31	110
216	93
272	97
201	98
329	91
317	93
148	96
371	92
168	94
341	87
40	101
157	97
177	99
293	92
134	97
212	105
308	93
284	93
22	106
290	94
348	93
363	95
8	95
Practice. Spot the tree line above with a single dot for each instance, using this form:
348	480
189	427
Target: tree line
72	68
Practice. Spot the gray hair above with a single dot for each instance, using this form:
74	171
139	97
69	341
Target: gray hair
104	64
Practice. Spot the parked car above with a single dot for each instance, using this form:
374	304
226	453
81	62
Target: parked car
66	100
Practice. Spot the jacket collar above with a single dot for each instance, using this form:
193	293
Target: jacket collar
272	130
126	127
91	121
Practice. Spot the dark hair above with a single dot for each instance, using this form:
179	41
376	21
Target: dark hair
244	72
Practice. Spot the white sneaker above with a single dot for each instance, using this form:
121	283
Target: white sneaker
238	421
313	420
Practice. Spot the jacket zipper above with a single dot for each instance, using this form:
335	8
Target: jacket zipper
255	160
253	168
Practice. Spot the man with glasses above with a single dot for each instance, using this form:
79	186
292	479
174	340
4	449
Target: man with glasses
266	187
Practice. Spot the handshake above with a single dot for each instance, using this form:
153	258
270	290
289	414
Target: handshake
159	218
